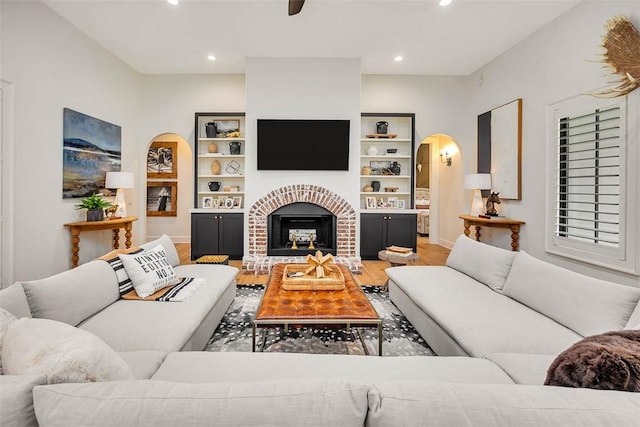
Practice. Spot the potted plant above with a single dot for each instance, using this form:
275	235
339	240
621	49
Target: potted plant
95	206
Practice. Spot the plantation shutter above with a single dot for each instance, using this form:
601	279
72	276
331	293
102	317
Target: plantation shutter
588	178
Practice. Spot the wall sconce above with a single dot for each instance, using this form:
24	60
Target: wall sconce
445	158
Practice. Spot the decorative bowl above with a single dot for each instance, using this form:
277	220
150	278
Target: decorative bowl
392	150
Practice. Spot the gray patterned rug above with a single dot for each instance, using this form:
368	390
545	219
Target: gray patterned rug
234	331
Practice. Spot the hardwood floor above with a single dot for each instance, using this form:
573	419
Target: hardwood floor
372	271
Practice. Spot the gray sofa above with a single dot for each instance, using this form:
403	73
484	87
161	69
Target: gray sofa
175	387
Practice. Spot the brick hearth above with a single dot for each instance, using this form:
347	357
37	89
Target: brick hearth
258	262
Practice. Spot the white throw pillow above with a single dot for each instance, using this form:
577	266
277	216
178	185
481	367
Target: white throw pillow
6	319
62	352
149	271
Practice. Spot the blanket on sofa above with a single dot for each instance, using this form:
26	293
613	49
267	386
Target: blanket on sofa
179	292
609	361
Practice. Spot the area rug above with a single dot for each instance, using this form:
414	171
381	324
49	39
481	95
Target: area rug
399	336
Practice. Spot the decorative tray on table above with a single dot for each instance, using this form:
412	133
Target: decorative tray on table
317	275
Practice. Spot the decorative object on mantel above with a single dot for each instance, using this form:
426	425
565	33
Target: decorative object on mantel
494	198
95	206
622	54
215	167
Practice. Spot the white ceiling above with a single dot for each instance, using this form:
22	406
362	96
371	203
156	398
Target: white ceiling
155	37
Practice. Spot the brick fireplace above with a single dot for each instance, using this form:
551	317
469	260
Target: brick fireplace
257	260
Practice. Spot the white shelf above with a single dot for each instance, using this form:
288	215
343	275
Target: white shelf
221	193
386	156
221	156
376	177
385	139
220	139
386	193
221	176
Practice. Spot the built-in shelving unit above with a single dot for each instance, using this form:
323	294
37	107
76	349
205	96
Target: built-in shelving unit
232	166
402	126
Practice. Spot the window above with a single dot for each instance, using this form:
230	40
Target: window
592	188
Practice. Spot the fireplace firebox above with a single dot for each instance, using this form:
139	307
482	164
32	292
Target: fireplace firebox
301	228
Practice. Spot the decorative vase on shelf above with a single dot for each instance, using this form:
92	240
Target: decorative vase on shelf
212	148
366	170
234	147
381	127
214	185
95	215
215	167
211	130
395	168
372	150
375	185
367	189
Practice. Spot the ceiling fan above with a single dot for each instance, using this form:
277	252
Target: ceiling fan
295	6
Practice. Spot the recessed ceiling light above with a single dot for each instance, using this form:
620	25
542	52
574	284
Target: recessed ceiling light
398	58
445	2
173	2
211	58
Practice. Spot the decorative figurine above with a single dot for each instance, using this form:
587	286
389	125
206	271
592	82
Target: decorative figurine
491	200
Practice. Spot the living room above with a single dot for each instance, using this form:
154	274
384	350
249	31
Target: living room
47	64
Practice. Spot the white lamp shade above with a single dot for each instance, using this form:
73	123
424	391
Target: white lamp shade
119	180
477	181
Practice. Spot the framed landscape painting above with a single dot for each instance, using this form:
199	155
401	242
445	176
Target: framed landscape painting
90	148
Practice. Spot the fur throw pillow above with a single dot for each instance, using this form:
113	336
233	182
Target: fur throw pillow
6	319
609	361
62	352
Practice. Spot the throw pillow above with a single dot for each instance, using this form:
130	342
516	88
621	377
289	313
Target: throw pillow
6	319
62	352
609	361
149	271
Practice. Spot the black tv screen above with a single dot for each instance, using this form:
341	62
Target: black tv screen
303	144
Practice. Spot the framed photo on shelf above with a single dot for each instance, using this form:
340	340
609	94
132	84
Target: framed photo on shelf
370	202
226	126
222	200
162	198
237	202
400	204
228	203
207	202
162	160
378	167
393	202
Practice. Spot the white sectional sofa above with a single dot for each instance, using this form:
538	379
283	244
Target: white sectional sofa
499	384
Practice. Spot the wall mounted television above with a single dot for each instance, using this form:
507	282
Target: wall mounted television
287	144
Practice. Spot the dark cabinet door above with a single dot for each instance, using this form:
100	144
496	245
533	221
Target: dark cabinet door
377	231
204	235
402	230
231	235
372	235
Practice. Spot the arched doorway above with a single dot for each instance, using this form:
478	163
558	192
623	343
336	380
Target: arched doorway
167	193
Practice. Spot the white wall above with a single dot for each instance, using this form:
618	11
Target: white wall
282	88
52	65
169	103
555	63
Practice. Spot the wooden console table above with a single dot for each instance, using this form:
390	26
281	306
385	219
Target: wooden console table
511	224
110	224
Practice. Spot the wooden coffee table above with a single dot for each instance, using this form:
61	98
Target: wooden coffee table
349	307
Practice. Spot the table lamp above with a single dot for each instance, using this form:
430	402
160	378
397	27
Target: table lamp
119	181
477	182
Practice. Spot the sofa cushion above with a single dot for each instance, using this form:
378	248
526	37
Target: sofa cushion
15	301
158	403
586	305
73	295
62	352
149	271
198	366
634	320
6	319
481	320
487	264
150	325
169	248
16	399
143	363
523	368
456	405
